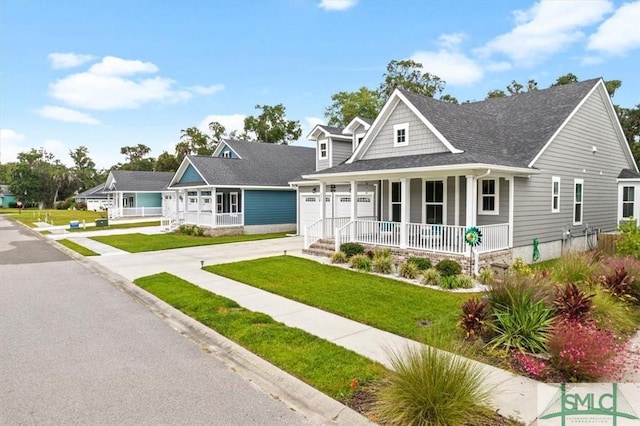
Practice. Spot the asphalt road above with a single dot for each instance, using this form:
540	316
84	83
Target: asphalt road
76	350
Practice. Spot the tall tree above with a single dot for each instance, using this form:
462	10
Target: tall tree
568	78
630	122
346	106
136	158
497	93
409	75
450	99
6	171
40	178
272	126
166	163
84	173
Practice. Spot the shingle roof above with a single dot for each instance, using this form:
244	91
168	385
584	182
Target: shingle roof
331	129
628	174
136	181
507	131
95	192
262	164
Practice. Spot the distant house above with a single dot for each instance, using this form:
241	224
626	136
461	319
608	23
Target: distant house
539	172
6	197
243	185
95	198
135	193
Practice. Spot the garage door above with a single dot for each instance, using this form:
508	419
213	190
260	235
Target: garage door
310	207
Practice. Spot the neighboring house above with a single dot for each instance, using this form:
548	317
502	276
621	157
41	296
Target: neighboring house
629	195
135	193
6	197
95	198
538	171
243	185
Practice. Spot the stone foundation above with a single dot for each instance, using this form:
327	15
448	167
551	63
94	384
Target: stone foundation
267	229
221	232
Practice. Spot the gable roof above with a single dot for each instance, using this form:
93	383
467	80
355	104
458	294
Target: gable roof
95	192
261	164
137	181
332	131
509	131
628	174
353	124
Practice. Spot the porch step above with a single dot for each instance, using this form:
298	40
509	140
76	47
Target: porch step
323	247
318	252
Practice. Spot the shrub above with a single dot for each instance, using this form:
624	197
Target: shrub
370	254
408	270
448	267
198	231
613	314
351	249
65	204
523	324
521	268
572	304
360	262
448	283
431	277
631	265
474	314
535	367
81	206
486	276
186	229
618	283
463	281
427	386
583	352
423	263
339	257
382	261
578	268
628	243
502	293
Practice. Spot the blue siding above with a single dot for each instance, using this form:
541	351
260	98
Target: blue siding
190	175
7	199
229	150
269	207
149	200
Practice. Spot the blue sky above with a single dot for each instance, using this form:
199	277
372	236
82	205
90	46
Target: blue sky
108	74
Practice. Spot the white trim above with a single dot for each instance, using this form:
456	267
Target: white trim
554	180
348	130
512	194
226	154
634	202
443	203
219	148
496	195
573	213
232	204
271	188
183	168
326	149
397	128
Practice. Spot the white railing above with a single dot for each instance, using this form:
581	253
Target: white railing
313	233
343	234
440	238
377	233
115	212
228	219
170	223
494	238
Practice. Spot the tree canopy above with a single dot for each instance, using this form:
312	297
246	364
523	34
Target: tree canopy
346	106
272	126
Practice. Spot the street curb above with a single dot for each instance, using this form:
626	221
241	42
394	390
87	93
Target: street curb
297	395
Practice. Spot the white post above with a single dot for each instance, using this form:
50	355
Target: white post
199	207
214	207
512	192
404	211
323	213
456	204
354	209
242	206
472	203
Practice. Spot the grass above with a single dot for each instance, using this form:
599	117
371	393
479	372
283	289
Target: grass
78	248
118	226
137	243
377	301
59	217
322	364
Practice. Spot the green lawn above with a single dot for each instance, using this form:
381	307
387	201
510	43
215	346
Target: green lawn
78	248
322	364
118	226
59	217
380	302
137	243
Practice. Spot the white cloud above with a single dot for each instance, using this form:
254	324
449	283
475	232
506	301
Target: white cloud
207	90
591	60
68	60
59	151
451	41
66	114
10	145
110	65
453	67
497	66
337	4
618	34
307	126
10	136
545	29
230	122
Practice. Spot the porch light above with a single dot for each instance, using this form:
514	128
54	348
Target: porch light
201	264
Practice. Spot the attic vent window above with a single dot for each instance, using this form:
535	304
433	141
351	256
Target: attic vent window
401	134
226	154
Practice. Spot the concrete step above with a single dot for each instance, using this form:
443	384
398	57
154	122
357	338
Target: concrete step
318	252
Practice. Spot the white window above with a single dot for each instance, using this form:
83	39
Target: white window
401	134
226	154
233	202
396	201
310	199
578	189
323	150
488	197
345	199
219	202
434	198
628	199
555	194
364	199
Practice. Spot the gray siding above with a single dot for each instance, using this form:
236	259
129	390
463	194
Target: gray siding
421	139
416	200
503	206
463	200
450	200
570	156
340	151
322	164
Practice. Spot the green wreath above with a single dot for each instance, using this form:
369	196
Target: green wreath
473	236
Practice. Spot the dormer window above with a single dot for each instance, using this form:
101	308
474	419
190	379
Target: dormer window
226	154
323	150
401	134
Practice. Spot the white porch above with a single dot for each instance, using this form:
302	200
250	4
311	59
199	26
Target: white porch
210	207
128	204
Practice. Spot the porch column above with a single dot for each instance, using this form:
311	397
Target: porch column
323	213
404	211
354	208
121	200
214	207
184	201
176	195
456	203
242	206
472	205
199	207
512	192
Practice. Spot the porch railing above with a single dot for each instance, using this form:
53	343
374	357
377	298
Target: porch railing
228	219
343	235
205	218
441	238
313	233
494	238
377	233
134	211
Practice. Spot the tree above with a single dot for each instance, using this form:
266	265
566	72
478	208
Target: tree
272	126
565	79
346	106
630	122
84	171
497	93
136	160
450	99
612	86
166	163
408	75
6	171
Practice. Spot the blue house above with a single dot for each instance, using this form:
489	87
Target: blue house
6	197
136	193
243	185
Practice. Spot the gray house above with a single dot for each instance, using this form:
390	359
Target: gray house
95	198
136	193
536	172
242	187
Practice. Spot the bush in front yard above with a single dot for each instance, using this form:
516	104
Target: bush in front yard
487	276
611	313
351	249
572	304
431	277
360	262
409	270
423	263
339	257
578	268
382	261
448	268
628	243
474	316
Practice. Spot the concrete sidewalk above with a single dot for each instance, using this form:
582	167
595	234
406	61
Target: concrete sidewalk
515	395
